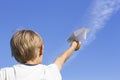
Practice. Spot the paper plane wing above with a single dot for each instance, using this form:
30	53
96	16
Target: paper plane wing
78	35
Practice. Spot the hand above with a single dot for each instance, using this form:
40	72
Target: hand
76	45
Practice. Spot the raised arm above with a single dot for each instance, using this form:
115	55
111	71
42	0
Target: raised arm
75	45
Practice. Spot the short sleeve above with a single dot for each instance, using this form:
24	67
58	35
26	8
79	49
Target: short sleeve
2	74
6	74
52	72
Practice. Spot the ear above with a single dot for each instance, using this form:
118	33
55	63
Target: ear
41	50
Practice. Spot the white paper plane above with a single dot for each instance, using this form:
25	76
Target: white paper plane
79	35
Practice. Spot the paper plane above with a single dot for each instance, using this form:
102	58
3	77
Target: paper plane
79	35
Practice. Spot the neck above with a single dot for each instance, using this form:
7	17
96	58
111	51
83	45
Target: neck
35	61
32	62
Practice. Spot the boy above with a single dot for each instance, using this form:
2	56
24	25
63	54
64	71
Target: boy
27	48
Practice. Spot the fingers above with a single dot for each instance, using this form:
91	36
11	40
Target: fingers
78	45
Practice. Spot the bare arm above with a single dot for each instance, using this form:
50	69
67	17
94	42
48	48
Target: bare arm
66	54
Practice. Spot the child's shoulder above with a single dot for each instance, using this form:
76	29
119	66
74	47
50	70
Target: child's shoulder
6	70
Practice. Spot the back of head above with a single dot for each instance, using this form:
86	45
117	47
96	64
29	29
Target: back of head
25	45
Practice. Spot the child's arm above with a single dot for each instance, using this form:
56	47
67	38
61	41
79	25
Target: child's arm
65	55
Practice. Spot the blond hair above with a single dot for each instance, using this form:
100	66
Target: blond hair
25	45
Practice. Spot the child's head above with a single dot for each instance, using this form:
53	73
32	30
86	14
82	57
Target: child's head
26	45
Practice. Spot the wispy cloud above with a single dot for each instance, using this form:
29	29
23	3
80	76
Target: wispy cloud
99	13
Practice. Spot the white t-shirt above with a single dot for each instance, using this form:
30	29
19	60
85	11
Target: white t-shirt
27	72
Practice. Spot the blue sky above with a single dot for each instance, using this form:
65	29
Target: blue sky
55	21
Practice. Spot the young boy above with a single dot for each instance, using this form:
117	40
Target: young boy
27	48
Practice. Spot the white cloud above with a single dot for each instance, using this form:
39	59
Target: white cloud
100	13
